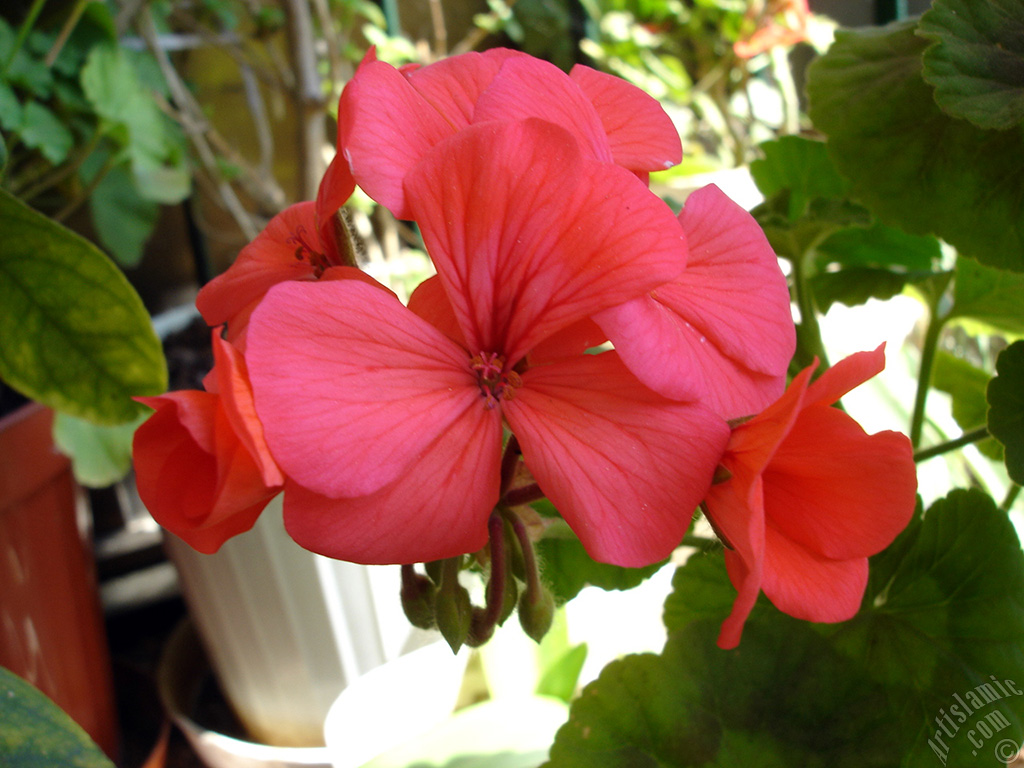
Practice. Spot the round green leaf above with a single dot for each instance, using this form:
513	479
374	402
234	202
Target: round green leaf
567	568
992	296
941	619
800	166
76	336
36	733
977	61
913	165
1006	408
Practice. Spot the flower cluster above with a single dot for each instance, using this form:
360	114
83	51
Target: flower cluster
579	342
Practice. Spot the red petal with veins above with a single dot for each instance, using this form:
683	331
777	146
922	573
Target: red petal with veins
528	87
453	85
351	387
384	127
640	134
520	260
624	466
336	188
193	473
268	260
437	508
722	329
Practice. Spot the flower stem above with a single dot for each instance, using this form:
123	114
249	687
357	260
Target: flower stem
486	619
1011	496
509	462
809	337
522	495
924	376
951	445
23	33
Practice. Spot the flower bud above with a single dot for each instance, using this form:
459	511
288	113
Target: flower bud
418	595
536	612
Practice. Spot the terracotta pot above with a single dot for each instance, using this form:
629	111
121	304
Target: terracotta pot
51	623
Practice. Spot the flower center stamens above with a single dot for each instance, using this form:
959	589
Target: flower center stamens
306	252
495	382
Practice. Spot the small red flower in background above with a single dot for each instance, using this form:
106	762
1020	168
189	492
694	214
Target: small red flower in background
780	22
201	464
811	497
300	243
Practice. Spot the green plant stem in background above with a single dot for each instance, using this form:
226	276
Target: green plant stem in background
1011	496
65	31
700	542
924	375
809	342
23	33
951	445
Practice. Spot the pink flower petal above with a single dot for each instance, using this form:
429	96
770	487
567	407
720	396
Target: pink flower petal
336	188
836	490
193	474
236	397
722	330
624	466
278	254
848	373
351	386
384	127
641	135
430	302
528	87
452	86
809	586
437	508
520	260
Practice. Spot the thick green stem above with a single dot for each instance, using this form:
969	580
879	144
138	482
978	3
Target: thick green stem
951	445
924	375
1011	496
810	343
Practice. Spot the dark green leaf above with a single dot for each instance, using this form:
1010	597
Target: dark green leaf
25	71
879	246
855	286
1006	408
993	296
821	219
75	334
977	62
11	113
36	733
800	167
100	455
42	130
942	618
123	220
566	568
913	165
966	385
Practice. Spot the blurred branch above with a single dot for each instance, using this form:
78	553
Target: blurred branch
308	97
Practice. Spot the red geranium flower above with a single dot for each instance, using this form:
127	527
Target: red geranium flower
388	118
722	332
201	464
300	243
390	430
811	497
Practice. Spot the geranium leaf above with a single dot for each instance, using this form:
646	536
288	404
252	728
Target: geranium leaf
966	385
123	219
567	568
977	61
1006	408
100	455
992	296
40	129
76	336
800	166
912	164
941	618
37	733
